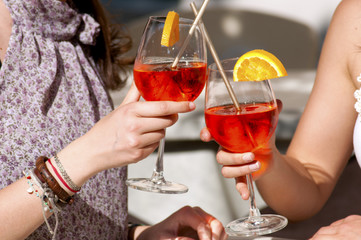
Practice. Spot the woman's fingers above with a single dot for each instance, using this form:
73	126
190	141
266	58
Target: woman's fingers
155	108
187	223
279	105
190	217
141	141
162	108
206	226
139	125
240	170
133	95
205	135
347	228
237	164
144	123
227	158
241	186
146	117
217	228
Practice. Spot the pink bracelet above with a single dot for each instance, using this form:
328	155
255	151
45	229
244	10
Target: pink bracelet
60	177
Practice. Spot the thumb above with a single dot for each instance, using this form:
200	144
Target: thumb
133	95
279	105
205	135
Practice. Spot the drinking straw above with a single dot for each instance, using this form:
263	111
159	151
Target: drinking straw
190	33
254	210
221	70
216	59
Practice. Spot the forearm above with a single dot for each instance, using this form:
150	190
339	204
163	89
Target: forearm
113	142
21	212
78	159
290	188
21	206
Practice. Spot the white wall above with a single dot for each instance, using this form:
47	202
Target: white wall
316	13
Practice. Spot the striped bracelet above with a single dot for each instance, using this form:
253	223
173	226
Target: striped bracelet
68	182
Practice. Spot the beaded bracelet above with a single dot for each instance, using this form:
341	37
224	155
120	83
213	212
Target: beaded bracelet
42	172
63	176
48	198
31	190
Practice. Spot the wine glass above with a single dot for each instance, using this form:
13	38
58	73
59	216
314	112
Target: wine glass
157	80
244	129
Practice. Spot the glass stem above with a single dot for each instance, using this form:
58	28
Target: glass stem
254	213
157	176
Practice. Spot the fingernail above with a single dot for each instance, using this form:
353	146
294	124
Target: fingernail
255	166
205	231
248	157
192	105
204	136
244	196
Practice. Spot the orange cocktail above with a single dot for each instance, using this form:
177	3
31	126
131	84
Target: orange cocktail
171	65
246	131
242	118
161	82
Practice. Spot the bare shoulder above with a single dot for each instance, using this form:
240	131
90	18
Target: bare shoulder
344	41
348	11
347	18
349	4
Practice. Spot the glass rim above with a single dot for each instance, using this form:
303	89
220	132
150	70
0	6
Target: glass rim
214	68
182	20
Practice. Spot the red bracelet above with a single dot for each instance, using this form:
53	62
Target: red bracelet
60	177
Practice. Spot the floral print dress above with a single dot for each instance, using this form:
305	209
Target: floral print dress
51	94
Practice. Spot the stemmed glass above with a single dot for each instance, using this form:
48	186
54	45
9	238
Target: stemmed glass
157	80
246	129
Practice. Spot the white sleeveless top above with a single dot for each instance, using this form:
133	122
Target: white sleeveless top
357	129
357	140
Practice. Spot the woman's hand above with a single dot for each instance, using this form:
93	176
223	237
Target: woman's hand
238	165
137	127
235	165
187	223
347	228
127	135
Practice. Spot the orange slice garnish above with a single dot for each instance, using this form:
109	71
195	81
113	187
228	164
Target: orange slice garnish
258	65
171	29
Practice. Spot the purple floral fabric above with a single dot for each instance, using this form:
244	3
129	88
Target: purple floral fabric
51	94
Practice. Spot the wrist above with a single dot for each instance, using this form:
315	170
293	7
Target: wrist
57	170
76	160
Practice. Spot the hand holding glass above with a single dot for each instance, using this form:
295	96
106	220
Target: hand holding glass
157	80
243	130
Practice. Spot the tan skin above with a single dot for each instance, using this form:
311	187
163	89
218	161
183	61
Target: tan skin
323	141
125	136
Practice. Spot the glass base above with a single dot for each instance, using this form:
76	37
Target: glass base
255	226
146	184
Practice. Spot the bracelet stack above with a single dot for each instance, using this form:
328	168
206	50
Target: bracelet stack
42	172
43	185
63	176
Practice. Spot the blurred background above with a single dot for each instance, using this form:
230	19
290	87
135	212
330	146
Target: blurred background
294	31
